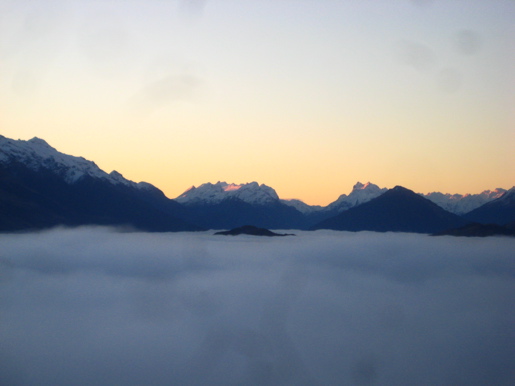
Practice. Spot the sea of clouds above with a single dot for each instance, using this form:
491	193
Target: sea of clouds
97	306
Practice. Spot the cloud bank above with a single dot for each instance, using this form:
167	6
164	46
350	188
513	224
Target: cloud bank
96	306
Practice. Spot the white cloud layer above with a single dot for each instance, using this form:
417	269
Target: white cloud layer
95	306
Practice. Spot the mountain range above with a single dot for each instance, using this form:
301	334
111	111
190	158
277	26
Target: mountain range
41	187
398	210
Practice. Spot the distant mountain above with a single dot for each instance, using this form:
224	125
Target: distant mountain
251	193
500	211
225	206
360	194
302	207
397	210
41	187
461	204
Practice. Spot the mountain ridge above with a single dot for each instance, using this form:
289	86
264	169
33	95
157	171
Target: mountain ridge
397	210
41	188
39	181
500	211
252	193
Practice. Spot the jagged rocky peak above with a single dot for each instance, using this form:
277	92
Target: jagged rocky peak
359	186
210	193
463	203
368	187
360	194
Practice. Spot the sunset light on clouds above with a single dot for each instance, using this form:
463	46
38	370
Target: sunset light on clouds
307	97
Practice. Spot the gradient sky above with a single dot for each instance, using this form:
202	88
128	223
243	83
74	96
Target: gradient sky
305	96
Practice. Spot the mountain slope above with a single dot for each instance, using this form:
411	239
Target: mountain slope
500	211
360	194
460	204
251	193
397	210
223	206
41	187
478	230
314	214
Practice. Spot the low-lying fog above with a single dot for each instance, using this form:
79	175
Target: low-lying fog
92	306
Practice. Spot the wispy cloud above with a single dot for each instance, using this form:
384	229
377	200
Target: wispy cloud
163	91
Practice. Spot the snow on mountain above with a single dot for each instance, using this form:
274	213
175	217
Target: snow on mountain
500	211
360	194
397	210
301	206
209	193
461	204
509	194
36	154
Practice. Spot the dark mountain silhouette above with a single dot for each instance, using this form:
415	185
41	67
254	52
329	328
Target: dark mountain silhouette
233	212
42	188
224	206
397	210
478	230
500	211
251	230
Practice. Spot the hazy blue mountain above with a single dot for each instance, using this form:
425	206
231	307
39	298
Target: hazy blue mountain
226	206
361	193
500	211
397	210
463	203
41	187
209	194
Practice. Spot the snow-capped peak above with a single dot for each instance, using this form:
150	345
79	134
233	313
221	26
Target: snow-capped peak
37	154
460	204
360	194
209	193
231	187
369	187
301	206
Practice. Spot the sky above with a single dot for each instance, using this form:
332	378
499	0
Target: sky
305	96
91	306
